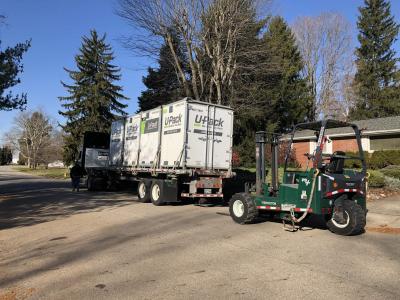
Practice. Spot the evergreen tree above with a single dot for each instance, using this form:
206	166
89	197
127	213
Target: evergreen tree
5	156
94	99
246	96
288	92
162	84
10	67
377	78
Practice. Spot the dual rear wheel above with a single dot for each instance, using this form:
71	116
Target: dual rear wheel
150	191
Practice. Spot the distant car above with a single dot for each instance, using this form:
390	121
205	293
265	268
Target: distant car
56	164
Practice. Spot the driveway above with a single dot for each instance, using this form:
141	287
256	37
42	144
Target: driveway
58	244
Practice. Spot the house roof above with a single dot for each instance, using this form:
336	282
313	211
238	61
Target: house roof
378	126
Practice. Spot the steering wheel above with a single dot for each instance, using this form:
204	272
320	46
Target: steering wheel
336	154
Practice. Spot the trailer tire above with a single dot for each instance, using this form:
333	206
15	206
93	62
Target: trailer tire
143	191
91	184
156	194
354	219
242	208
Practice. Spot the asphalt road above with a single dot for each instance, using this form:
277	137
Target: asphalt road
56	244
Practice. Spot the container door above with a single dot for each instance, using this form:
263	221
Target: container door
116	142
220	138
209	136
131	145
196	148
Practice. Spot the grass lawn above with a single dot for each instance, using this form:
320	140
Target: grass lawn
56	173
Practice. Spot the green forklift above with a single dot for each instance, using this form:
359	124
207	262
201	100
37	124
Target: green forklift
325	188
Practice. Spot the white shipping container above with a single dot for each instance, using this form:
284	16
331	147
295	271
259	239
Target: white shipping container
117	142
183	134
209	136
173	134
149	141
131	145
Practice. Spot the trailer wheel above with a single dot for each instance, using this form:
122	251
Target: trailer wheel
156	195
143	192
348	218
242	208
91	185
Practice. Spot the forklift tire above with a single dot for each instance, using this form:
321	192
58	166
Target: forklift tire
143	191
156	194
242	208
354	218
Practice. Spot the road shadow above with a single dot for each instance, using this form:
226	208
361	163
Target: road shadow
41	200
311	222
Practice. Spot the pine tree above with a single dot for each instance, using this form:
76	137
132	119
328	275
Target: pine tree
10	67
377	78
162	84
287	91
94	100
5	155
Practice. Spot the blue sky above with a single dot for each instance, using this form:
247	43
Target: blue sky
56	28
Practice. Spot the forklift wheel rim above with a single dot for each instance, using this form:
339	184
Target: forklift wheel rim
341	225
155	192
238	208
142	190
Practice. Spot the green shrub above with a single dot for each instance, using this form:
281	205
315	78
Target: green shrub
392	167
376	179
382	159
355	163
375	161
392	172
392	183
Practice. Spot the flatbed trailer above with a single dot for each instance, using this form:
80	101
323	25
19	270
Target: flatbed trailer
176	151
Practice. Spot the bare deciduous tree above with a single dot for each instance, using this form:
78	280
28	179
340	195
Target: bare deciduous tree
224	26
30	134
326	46
210	31
53	149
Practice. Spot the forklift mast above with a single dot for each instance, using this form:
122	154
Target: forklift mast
263	138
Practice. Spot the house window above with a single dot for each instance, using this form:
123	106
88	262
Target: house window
389	142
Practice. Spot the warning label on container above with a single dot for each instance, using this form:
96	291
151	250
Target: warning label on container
172	131
201	131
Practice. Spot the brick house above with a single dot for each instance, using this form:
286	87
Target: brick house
377	134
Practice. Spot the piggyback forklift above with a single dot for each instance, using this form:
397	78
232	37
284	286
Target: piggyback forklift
325	188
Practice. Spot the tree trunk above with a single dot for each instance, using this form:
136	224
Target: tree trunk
193	69
179	67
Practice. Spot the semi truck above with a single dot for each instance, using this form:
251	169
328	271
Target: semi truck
174	151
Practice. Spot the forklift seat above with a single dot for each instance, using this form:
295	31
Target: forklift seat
336	164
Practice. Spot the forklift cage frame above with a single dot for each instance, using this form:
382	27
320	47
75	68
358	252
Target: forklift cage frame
321	127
